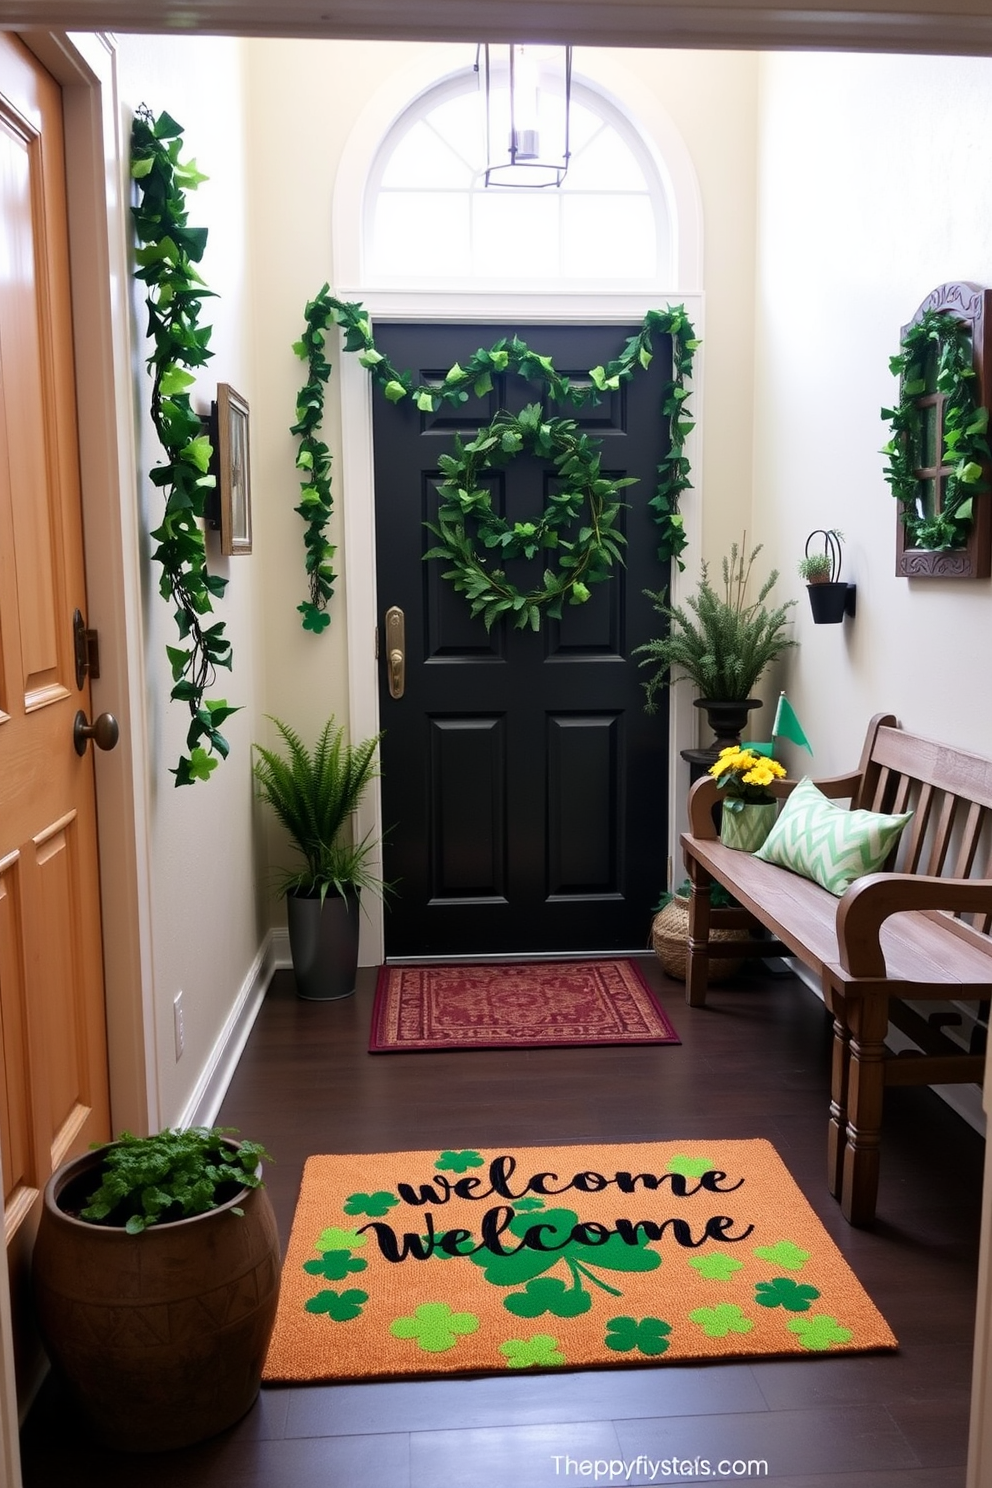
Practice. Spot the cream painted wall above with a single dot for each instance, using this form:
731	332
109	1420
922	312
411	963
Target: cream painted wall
305	99
208	919
873	189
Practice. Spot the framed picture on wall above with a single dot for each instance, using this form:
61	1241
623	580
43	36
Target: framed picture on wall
233	471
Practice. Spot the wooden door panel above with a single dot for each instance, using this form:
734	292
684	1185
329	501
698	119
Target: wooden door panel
468	788
52	1015
20	1170
25	322
584	805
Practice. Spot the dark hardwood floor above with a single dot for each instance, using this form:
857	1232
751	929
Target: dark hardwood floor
752	1064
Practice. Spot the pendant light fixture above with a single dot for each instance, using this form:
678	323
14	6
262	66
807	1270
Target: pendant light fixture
527	91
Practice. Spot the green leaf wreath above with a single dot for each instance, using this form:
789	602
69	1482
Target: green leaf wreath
585	561
590	556
936	356
168	250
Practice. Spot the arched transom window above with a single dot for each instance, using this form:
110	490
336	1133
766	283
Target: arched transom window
430	218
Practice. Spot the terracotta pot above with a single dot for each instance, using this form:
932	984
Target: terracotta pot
323	941
160	1337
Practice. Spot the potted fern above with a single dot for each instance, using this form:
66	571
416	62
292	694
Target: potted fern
720	642
314	794
156	1278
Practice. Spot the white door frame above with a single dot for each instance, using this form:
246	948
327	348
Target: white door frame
675	168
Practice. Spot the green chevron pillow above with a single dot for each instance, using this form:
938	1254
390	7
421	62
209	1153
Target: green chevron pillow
827	843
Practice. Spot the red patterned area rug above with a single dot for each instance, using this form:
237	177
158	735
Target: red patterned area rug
515	1005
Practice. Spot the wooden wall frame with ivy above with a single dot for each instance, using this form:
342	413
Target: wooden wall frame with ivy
971	305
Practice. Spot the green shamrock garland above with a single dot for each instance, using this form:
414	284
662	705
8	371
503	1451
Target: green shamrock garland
590	556
936	353
165	258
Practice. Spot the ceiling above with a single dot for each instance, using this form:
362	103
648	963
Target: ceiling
875	25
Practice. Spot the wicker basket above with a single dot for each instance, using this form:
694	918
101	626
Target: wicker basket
670	939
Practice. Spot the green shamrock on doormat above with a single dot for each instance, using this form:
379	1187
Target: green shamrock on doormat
434	1326
819	1333
581	1261
784	1292
334	1265
717	1322
541	1351
343	1307
648	1335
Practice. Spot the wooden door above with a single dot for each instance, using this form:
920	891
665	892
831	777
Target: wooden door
52	1013
524	787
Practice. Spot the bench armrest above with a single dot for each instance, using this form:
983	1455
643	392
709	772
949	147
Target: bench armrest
869	901
705	794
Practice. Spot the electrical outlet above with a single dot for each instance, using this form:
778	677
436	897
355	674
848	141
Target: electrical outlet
177	1011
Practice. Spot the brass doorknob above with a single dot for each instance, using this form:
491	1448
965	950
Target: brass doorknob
104	731
396	651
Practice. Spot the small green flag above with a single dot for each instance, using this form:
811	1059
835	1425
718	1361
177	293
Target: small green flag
787	725
768	750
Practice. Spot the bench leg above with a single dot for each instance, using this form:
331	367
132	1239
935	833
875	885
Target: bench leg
868	1020
698	962
837	1127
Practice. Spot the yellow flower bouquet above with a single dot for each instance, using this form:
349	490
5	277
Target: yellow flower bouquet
745	776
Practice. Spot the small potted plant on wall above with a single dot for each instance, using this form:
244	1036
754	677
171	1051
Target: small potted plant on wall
315	793
156	1278
829	599
721	642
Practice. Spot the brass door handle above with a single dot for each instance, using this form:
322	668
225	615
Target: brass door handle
104	731
396	651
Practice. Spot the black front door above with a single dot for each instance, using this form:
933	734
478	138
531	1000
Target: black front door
524	787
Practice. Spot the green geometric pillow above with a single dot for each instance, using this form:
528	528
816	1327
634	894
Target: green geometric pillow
828	843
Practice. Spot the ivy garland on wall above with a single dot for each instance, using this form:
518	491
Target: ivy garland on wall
936	354
585	560
168	250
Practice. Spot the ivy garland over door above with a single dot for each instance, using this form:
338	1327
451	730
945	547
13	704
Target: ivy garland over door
166	257
585	559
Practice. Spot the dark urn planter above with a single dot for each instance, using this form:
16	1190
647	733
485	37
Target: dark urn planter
830	602
160	1337
727	719
323	939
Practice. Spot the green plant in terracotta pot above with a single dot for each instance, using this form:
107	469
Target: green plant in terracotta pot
722	642
156	1278
314	794
749	808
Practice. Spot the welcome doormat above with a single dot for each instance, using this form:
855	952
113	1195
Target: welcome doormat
480	1261
515	1005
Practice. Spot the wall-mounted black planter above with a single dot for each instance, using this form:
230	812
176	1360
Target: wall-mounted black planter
831	602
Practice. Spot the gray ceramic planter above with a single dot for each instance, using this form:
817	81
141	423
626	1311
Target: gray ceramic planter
323	939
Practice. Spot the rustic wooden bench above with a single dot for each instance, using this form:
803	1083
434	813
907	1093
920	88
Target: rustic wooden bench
920	930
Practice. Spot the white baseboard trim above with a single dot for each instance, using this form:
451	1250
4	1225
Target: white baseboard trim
279	947
966	1100
205	1102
